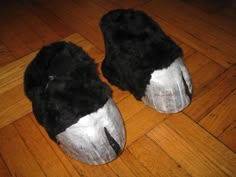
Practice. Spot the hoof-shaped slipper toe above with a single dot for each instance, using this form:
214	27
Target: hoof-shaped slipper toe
142	59
73	104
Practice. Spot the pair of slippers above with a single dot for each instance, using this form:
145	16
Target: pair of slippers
76	107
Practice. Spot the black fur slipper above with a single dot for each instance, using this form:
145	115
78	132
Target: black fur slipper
141	58
73	104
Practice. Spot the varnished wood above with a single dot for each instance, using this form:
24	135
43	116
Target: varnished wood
4	171
63	158
221	121
198	66
143	121
195	147
200	141
155	159
134	164
39	148
184	18
16	154
212	95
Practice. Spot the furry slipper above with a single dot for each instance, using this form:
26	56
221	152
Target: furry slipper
141	58
73	104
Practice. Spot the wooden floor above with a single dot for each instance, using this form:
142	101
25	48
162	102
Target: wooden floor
200	141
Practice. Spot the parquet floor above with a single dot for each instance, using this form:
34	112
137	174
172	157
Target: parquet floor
199	141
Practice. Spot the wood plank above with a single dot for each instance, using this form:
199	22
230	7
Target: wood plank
212	95
187	50
75	38
16	155
5	55
193	148
185	37
95	171
7	98
96	54
218	120
229	12
89	11
141	122
14	112
12	41
229	136
155	159
129	106
40	148
44	33
134	164
130	3
4	171
48	18
75	21
213	16
63	158
19	26
199	67
120	168
208	6
190	22
116	4
92	51
11	75
118	95
107	4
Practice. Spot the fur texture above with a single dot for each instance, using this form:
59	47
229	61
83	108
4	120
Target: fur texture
135	47
63	85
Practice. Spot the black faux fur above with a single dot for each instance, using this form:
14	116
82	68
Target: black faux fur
135	47
63	84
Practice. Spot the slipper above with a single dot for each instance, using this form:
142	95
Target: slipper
73	105
142	59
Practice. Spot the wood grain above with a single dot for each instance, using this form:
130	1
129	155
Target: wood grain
16	155
198	152
63	158
14	112
39	148
4	171
187	50
191	40
200	141
96	171
50	19
170	11
142	122
198	66
120	168
135	165
207	11
74	20
155	159
130	106
228	137
42	32
212	95
218	120
5	55
130	4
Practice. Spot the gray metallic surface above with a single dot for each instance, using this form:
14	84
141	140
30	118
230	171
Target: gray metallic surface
170	89
96	138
